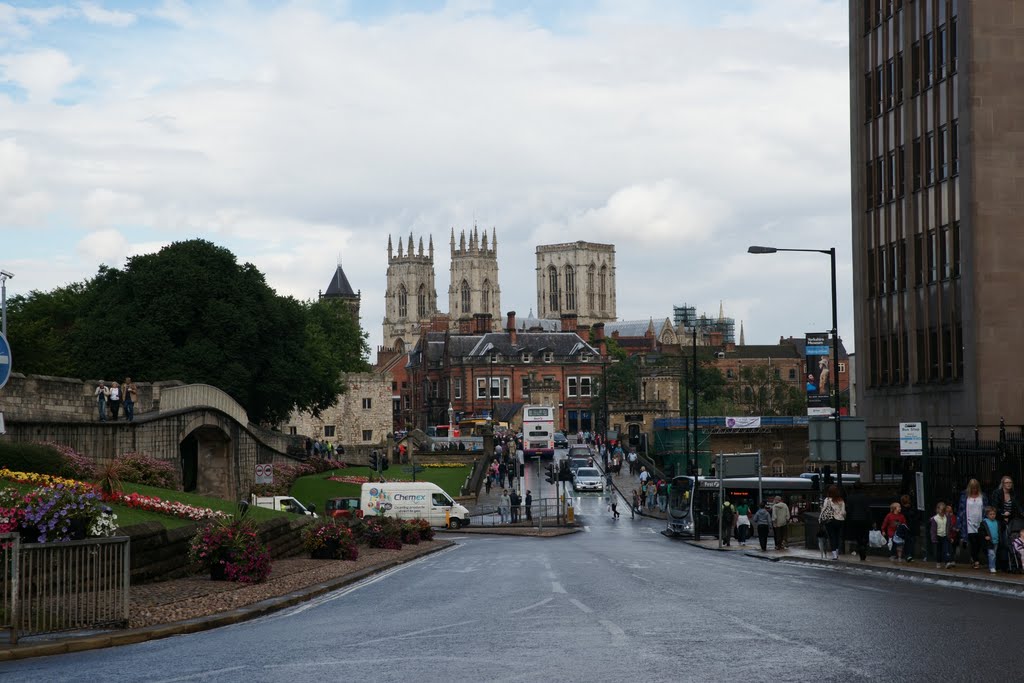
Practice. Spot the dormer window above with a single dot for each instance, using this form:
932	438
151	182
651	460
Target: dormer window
526	357
584	357
494	356
549	356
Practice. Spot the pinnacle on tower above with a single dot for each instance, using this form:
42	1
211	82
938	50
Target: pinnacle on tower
453	240
494	240
743	341
483	244
389	248
421	245
721	311
410	252
431	248
399	247
462	241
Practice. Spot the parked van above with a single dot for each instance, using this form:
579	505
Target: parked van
411	500
284	504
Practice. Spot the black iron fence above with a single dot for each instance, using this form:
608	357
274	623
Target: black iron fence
953	461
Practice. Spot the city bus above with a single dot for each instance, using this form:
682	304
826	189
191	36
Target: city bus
697	498
538	431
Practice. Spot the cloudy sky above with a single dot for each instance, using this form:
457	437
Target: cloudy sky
298	133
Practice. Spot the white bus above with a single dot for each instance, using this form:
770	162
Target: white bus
538	431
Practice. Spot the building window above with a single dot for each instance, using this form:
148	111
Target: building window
571	387
526	387
890	181
481	387
457	387
603	291
941	153
928	59
792	374
952	46
842	368
916	163
421	301
940	53
778	467
526	357
955	250
901	172
549	356
890	84
552	288
932	247
584	357
901	266
466	299
899	78
929	159
367	435
435	389
495	387
879	181
590	287
293	431
328	431
408	402
945	250
570	288
367	403
777	445
728	373
586	388
954	144
915	68
506	386
879	91
485	297
403	302
919	260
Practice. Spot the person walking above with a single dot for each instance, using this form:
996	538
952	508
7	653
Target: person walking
129	394
501	473
780	520
632	461
858	519
101	394
728	522
763	521
913	516
892	526
743	522
514	502
970	514
988	530
529	505
1007	509
833	514
939	533
504	506
487	484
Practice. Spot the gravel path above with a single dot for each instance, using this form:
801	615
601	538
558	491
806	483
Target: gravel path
179	599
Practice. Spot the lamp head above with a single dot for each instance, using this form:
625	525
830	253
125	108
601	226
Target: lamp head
6	274
761	250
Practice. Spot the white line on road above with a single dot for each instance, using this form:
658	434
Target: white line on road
533	606
642	578
556	587
822	655
583	608
613	629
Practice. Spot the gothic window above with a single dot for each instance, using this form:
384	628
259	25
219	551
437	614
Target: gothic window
464	290
421	301
570	288
552	288
403	302
590	287
603	297
485	301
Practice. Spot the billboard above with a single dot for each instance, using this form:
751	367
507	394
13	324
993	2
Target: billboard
820	378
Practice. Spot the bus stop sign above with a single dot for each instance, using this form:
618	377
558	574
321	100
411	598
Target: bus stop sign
5	361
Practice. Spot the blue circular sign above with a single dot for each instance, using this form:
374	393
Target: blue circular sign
5	360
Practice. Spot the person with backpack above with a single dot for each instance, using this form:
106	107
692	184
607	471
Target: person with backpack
892	525
728	522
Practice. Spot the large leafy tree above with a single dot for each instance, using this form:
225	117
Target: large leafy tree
192	312
39	325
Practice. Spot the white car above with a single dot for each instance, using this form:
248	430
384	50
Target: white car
587	479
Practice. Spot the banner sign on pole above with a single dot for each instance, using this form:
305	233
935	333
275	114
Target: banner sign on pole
743	422
819	373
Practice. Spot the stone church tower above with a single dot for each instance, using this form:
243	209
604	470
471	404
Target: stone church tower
411	296
473	287
340	289
576	278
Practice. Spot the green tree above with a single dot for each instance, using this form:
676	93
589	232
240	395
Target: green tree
39	324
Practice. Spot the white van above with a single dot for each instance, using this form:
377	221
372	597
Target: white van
283	504
411	500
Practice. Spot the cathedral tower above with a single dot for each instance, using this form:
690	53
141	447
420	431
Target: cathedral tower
576	278
473	287
411	296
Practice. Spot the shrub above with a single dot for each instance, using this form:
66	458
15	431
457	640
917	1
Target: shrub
382	532
410	532
139	468
330	541
75	465
37	458
230	550
426	531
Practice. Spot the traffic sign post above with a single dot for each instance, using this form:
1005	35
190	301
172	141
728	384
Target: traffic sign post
5	361
264	474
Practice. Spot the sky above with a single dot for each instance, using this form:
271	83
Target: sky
301	134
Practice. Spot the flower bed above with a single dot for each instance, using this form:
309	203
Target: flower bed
230	551
33	478
444	465
329	541
172	508
349	479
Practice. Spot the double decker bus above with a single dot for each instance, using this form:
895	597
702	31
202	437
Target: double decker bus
538	431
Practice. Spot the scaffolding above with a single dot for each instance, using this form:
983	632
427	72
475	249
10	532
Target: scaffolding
706	325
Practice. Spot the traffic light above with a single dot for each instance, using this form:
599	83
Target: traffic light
552	474
384	462
565	474
373	461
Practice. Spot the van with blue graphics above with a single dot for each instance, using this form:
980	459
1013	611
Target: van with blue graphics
412	500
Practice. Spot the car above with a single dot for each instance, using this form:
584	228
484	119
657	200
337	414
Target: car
561	441
576	463
580	452
587	479
343	507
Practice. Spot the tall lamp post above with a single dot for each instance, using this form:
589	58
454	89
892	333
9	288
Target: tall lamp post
4	277
835	348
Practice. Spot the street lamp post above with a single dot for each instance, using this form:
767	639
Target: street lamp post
835	348
4	277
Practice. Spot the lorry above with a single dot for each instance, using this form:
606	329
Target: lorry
283	504
412	500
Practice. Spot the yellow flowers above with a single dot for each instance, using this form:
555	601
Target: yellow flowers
34	478
441	465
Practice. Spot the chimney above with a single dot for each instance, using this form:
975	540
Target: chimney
465	326
483	322
510	327
602	346
569	323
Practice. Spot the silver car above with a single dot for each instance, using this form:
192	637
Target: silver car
587	479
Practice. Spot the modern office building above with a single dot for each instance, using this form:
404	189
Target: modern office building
937	136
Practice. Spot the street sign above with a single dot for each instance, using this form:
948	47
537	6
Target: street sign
5	361
911	439
264	474
741	464
821	439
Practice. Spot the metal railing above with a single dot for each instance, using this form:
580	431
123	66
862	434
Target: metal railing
54	587
543	512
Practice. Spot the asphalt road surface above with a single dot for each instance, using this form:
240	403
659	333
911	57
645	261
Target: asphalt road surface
618	602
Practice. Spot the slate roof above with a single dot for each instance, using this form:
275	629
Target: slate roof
339	286
478	347
628	328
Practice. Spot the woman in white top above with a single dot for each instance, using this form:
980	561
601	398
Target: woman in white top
970	513
833	515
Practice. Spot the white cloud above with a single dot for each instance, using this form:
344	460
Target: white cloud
96	14
41	73
107	247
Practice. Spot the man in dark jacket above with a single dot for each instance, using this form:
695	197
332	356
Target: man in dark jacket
529	504
858	519
515	500
913	516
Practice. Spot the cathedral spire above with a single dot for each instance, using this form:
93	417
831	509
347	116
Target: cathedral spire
721	311
399	246
389	248
494	239
743	341
431	248
421	245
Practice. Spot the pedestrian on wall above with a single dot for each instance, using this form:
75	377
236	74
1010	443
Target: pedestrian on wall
913	516
101	394
832	516
504	506
1008	509
129	394
487	484
114	400
763	521
529	505
970	514
780	520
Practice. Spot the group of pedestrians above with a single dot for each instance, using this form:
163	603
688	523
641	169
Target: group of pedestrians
743	519
511	506
110	399
651	495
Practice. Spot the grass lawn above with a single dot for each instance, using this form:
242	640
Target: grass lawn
316	489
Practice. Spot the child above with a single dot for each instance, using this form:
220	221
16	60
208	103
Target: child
892	523
988	531
953	534
1018	547
940	536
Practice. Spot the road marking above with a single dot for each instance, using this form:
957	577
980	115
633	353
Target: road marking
204	674
821	654
642	578
556	587
533	606
583	608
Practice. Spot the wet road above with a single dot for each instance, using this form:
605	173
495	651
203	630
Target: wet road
618	602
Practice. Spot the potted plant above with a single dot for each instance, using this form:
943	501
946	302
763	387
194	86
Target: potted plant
230	550
410	532
329	541
59	513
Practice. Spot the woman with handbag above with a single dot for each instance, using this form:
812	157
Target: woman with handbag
833	514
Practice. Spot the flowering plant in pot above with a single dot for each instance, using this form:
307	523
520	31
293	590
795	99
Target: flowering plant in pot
231	550
60	513
329	541
382	532
410	532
